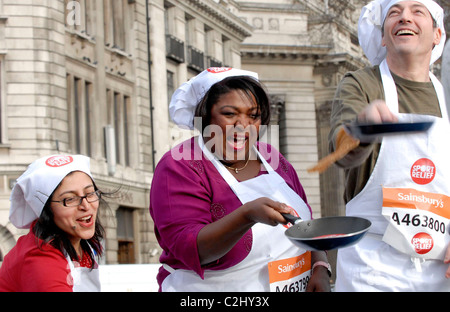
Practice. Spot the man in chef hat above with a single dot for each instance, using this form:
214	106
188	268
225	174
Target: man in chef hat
401	39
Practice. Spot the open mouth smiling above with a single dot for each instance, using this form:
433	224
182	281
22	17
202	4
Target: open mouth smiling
237	142
405	32
85	221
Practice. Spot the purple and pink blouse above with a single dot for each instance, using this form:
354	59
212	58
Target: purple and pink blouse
189	193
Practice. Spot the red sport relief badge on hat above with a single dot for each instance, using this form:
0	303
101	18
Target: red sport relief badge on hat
58	161
423	171
218	70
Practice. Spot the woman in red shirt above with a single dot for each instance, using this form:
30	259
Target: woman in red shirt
57	199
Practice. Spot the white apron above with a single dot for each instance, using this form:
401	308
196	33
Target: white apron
374	264
273	264
83	279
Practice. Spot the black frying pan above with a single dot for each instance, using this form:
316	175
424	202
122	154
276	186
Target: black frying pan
367	133
326	233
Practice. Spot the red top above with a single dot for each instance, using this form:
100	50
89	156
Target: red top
28	268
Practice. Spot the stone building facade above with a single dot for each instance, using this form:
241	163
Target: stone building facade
95	77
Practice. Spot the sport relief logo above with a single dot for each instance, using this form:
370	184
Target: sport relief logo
218	70
58	161
423	171
422	243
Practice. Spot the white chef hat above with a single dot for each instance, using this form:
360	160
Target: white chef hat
37	183
372	19
189	94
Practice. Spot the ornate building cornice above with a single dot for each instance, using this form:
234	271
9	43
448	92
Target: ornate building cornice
342	62
284	52
220	14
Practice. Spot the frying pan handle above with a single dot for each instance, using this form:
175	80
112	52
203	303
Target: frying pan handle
291	218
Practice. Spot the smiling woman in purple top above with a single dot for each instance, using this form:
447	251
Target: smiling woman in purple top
216	199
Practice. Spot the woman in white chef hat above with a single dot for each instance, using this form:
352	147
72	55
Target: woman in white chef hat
57	199
217	208
400	185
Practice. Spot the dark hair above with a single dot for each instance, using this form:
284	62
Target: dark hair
249	85
46	230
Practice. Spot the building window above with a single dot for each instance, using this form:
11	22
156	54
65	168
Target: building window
116	22
126	127
117	125
76	110
79	99
226	51
196	59
87	118
119	112
125	235
170	85
174	45
277	126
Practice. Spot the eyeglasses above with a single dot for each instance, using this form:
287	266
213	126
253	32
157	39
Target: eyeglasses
77	200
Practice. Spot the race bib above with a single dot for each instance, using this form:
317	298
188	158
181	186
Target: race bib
419	222
290	275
